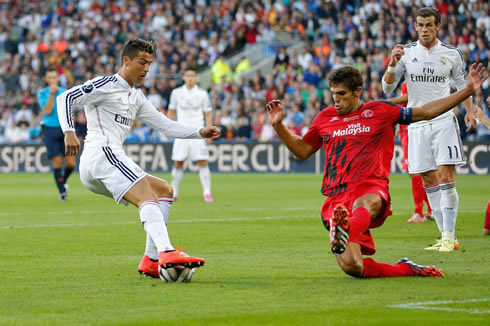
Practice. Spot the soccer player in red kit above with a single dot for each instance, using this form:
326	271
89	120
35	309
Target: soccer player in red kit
359	142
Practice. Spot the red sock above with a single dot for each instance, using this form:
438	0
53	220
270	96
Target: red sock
374	269
487	217
418	193
359	222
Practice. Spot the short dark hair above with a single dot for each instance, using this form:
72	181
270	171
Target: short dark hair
427	12
190	68
133	47
51	68
348	76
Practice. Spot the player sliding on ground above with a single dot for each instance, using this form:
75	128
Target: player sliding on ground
112	104
359	142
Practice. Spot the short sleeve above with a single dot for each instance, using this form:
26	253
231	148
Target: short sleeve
312	136
396	113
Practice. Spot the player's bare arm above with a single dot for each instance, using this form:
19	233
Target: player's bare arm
402	99
208	117
294	143
476	76
481	116
72	144
172	114
469	117
396	55
211	132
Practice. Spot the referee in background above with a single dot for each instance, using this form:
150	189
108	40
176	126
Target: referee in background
53	135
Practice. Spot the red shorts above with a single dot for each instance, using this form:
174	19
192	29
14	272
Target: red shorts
348	198
404	141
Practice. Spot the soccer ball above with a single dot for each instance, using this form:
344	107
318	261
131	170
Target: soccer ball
176	274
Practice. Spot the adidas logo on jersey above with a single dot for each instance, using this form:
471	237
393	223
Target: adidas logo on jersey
415	60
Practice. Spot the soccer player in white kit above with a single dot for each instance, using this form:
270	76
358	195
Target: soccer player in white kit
434	146
112	104
189	104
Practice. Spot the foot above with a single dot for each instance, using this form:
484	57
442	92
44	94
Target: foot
339	229
148	267
447	245
416	218
429	216
62	197
169	259
420	270
435	247
208	198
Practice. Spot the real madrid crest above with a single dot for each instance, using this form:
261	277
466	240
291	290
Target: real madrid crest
442	60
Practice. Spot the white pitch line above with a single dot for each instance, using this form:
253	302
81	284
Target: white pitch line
432	305
172	221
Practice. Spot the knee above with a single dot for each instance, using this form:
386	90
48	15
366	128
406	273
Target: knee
163	189
353	268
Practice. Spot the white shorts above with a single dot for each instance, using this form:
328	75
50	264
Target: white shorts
433	144
108	171
197	149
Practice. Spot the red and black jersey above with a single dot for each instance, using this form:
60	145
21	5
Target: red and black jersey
358	146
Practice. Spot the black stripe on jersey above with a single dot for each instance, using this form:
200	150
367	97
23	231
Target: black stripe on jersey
112	79
121	165
389	103
453	48
118	164
68	102
100	81
409	45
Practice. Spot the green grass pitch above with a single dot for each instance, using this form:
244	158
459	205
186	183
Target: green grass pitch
268	258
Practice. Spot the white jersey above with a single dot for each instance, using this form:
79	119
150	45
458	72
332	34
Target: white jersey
111	107
190	105
428	73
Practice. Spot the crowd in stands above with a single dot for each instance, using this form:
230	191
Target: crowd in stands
83	39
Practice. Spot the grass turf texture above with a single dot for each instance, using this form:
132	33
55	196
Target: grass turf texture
267	252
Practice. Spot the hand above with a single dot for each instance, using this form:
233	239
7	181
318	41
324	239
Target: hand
396	54
53	89
476	76
210	132
276	112
478	113
470	122
72	144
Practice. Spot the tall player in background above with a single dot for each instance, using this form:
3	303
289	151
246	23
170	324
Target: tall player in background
112	104
189	104
418	192
53	135
434	147
359	142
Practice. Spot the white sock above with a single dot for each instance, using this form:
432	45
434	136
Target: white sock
205	176
151	250
434	196
165	206
152	220
449	206
177	175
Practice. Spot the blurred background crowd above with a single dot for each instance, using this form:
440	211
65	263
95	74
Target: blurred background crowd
83	40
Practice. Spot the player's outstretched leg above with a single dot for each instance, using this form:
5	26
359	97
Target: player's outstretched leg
171	258
148	267
339	229
420	270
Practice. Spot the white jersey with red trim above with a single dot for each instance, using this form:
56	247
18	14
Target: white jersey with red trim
428	73
190	104
111	107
